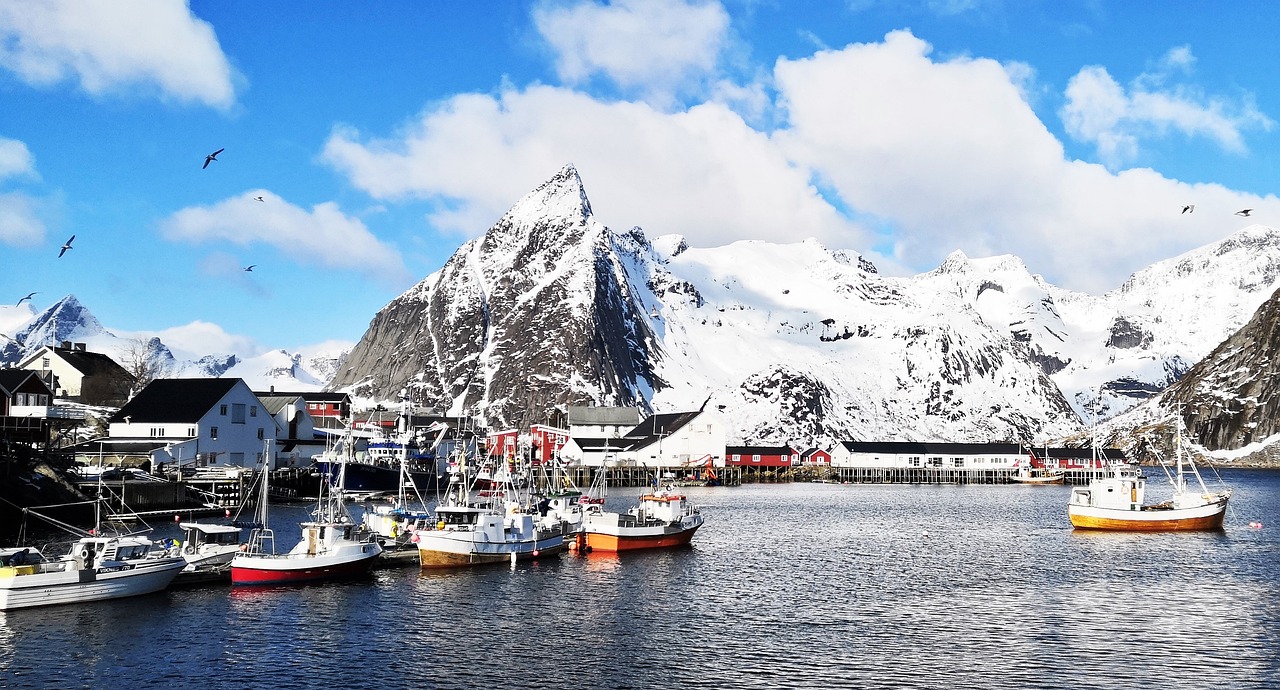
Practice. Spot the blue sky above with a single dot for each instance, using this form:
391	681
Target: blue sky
381	137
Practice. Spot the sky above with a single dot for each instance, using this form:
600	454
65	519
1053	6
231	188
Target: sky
362	144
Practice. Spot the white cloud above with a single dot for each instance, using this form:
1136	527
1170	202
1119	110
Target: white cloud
702	173
937	155
650	47
114	45
16	159
200	338
322	236
20	223
948	155
1100	111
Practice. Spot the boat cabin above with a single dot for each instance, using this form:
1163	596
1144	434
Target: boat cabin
1120	491
196	535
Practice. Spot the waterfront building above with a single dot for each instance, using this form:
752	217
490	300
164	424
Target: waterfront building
71	371
201	421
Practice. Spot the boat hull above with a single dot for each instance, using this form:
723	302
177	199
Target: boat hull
637	540
1206	517
363	478
293	568
456	551
26	586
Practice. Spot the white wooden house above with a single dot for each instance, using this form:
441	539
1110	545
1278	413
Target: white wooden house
208	422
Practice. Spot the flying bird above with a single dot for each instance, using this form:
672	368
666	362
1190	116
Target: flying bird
250	267
1244	212
258	198
24	299
211	158
66	246
1189	208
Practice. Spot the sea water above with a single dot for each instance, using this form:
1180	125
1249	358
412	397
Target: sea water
785	586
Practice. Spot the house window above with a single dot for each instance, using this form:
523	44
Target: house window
237	413
957	462
261	433
157	432
213	433
44	363
913	461
253	411
222	410
755	458
191	431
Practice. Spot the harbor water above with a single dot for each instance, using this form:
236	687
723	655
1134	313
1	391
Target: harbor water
785	586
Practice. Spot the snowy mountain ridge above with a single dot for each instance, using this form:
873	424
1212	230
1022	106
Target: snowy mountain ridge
68	320
792	342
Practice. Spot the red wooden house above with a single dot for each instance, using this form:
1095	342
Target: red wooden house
546	440
501	443
816	456
761	456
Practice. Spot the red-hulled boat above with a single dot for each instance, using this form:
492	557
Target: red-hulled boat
328	550
663	518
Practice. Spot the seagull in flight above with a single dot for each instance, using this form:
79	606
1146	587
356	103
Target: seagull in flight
211	158
250	267
66	246
1244	212
24	299
258	198
1189	208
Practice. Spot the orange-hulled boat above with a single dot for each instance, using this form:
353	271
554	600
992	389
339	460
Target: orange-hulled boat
1115	501
664	518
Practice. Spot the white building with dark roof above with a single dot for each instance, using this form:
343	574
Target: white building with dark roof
212	422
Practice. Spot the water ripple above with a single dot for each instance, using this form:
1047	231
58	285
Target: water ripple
786	586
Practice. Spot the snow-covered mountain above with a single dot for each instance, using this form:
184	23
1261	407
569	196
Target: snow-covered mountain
793	342
70	321
1227	401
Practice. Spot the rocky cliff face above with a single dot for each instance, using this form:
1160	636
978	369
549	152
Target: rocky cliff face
1231	398
537	314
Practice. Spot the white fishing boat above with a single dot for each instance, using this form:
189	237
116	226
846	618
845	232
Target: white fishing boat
206	546
663	518
481	519
1035	473
329	549
95	567
1117	499
394	520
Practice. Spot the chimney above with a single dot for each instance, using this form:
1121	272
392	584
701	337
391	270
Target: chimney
66	345
79	347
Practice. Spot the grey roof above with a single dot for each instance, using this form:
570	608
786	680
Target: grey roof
609	416
274	403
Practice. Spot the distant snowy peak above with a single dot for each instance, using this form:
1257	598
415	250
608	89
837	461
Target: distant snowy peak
1248	260
66	320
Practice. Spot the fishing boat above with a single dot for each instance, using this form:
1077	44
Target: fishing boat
482	519
385	463
393	521
96	566
329	548
1116	500
663	518
1036	473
